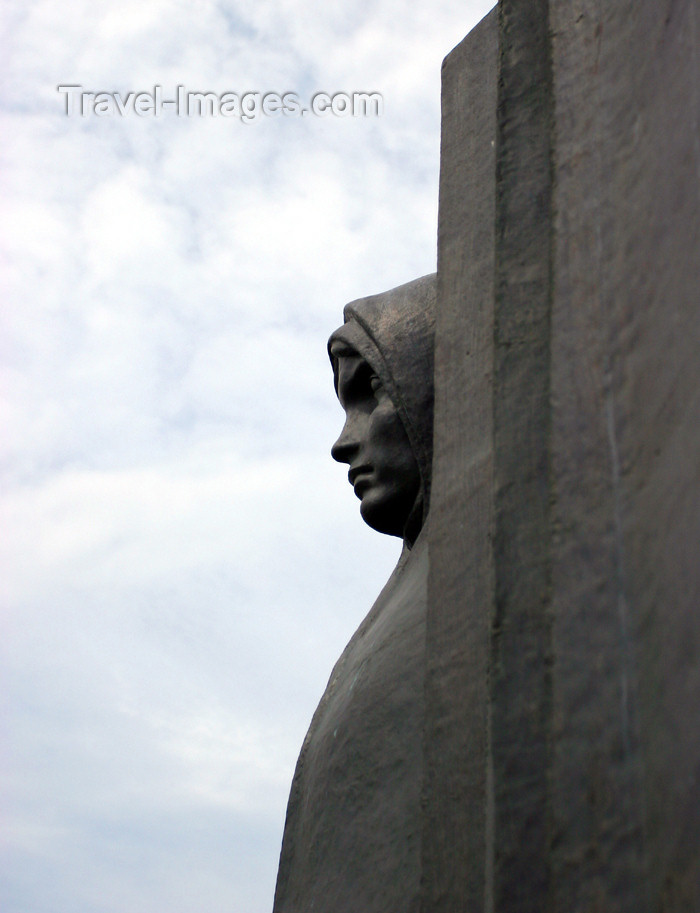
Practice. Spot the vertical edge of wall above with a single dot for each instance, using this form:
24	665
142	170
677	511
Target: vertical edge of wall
460	582
625	827
520	669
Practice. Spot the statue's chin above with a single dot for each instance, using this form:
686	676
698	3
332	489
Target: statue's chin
385	514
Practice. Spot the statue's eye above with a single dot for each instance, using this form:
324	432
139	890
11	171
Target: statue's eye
375	383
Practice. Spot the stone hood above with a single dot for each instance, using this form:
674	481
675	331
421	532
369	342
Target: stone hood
393	332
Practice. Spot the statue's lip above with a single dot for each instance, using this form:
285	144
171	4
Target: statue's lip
356	471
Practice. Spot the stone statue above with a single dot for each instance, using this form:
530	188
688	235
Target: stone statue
352	838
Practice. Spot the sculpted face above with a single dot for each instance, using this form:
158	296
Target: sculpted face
383	470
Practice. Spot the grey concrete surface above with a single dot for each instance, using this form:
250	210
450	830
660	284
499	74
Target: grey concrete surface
625	329
460	590
562	741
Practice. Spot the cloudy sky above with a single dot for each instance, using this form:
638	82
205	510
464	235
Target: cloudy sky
182	562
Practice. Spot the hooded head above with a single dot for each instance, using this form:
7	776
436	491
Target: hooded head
382	361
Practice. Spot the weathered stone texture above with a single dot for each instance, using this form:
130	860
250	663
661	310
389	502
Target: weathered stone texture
626	456
564	624
460	580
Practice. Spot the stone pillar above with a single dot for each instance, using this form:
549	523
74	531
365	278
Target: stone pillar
625	456
563	687
460	589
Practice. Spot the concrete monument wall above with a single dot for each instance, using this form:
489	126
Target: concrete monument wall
460	579
625	413
562	741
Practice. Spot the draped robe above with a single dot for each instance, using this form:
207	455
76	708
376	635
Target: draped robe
353	829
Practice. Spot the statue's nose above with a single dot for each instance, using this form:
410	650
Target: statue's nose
345	447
